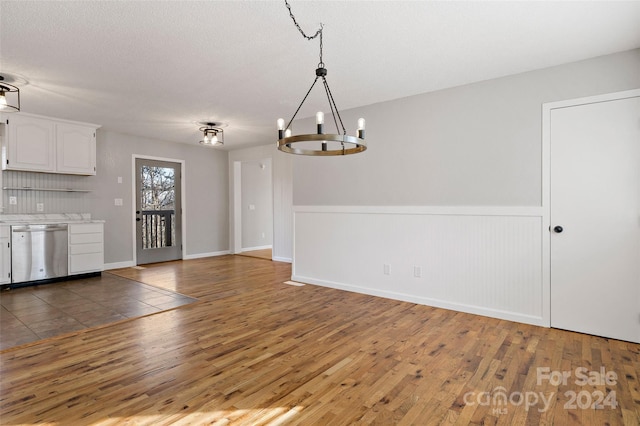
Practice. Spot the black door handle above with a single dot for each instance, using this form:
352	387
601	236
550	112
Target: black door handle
137	211
138	219
558	229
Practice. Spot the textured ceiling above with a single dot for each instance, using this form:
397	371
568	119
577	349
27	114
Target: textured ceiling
155	68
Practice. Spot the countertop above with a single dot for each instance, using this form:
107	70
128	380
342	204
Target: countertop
47	218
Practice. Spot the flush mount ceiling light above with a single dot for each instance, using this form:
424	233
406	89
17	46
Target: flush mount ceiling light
213	135
9	94
320	143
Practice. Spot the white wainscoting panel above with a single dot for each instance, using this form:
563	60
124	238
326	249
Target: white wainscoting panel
485	260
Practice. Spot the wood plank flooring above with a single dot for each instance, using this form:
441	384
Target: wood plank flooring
257	351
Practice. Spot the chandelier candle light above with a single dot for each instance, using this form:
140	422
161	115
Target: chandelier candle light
319	143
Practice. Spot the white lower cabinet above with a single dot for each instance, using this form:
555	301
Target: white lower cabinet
86	248
5	254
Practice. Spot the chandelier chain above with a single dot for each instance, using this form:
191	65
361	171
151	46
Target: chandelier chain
301	103
318	32
333	105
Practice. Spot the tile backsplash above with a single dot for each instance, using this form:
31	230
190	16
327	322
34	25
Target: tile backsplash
52	201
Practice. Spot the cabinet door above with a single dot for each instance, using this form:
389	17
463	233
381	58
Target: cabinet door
5	255
31	143
86	248
76	149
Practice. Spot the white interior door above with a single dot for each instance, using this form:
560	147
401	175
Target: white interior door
595	218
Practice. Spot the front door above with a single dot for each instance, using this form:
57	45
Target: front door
158	211
595	218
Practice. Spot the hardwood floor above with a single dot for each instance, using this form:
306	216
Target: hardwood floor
257	351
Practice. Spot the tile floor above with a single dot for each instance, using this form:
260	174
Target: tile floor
32	313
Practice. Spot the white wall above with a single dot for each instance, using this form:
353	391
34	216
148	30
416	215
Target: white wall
282	198
204	201
478	144
452	183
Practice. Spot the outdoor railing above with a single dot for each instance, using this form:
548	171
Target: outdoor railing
158	228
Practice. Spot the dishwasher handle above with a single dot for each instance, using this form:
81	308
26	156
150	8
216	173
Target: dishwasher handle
39	229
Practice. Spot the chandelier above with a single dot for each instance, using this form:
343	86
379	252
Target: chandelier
320	143
213	135
9	95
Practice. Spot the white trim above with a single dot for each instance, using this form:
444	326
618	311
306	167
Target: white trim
183	198
493	313
281	259
293	242
546	183
210	254
237	207
592	99
119	265
535	211
256	248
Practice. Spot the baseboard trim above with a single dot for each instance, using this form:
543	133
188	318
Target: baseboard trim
436	303
242	250
130	263
282	259
119	265
210	254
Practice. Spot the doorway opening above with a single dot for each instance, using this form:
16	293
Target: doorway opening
253	208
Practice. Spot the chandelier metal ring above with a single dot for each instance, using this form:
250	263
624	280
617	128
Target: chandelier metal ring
288	144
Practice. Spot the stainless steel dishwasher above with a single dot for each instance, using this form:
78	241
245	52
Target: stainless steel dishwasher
38	252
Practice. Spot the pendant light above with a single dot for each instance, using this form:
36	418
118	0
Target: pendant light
213	135
320	143
9	95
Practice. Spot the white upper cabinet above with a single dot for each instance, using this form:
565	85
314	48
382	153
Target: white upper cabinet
76	149
31	144
42	144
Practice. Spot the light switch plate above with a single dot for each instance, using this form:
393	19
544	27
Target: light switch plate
40	207
13	200
117	201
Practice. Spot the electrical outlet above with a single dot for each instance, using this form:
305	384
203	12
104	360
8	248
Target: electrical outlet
117	201
263	235
40	207
417	271
386	269
119	179
13	200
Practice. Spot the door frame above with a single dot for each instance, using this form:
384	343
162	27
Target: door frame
183	200
547	108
